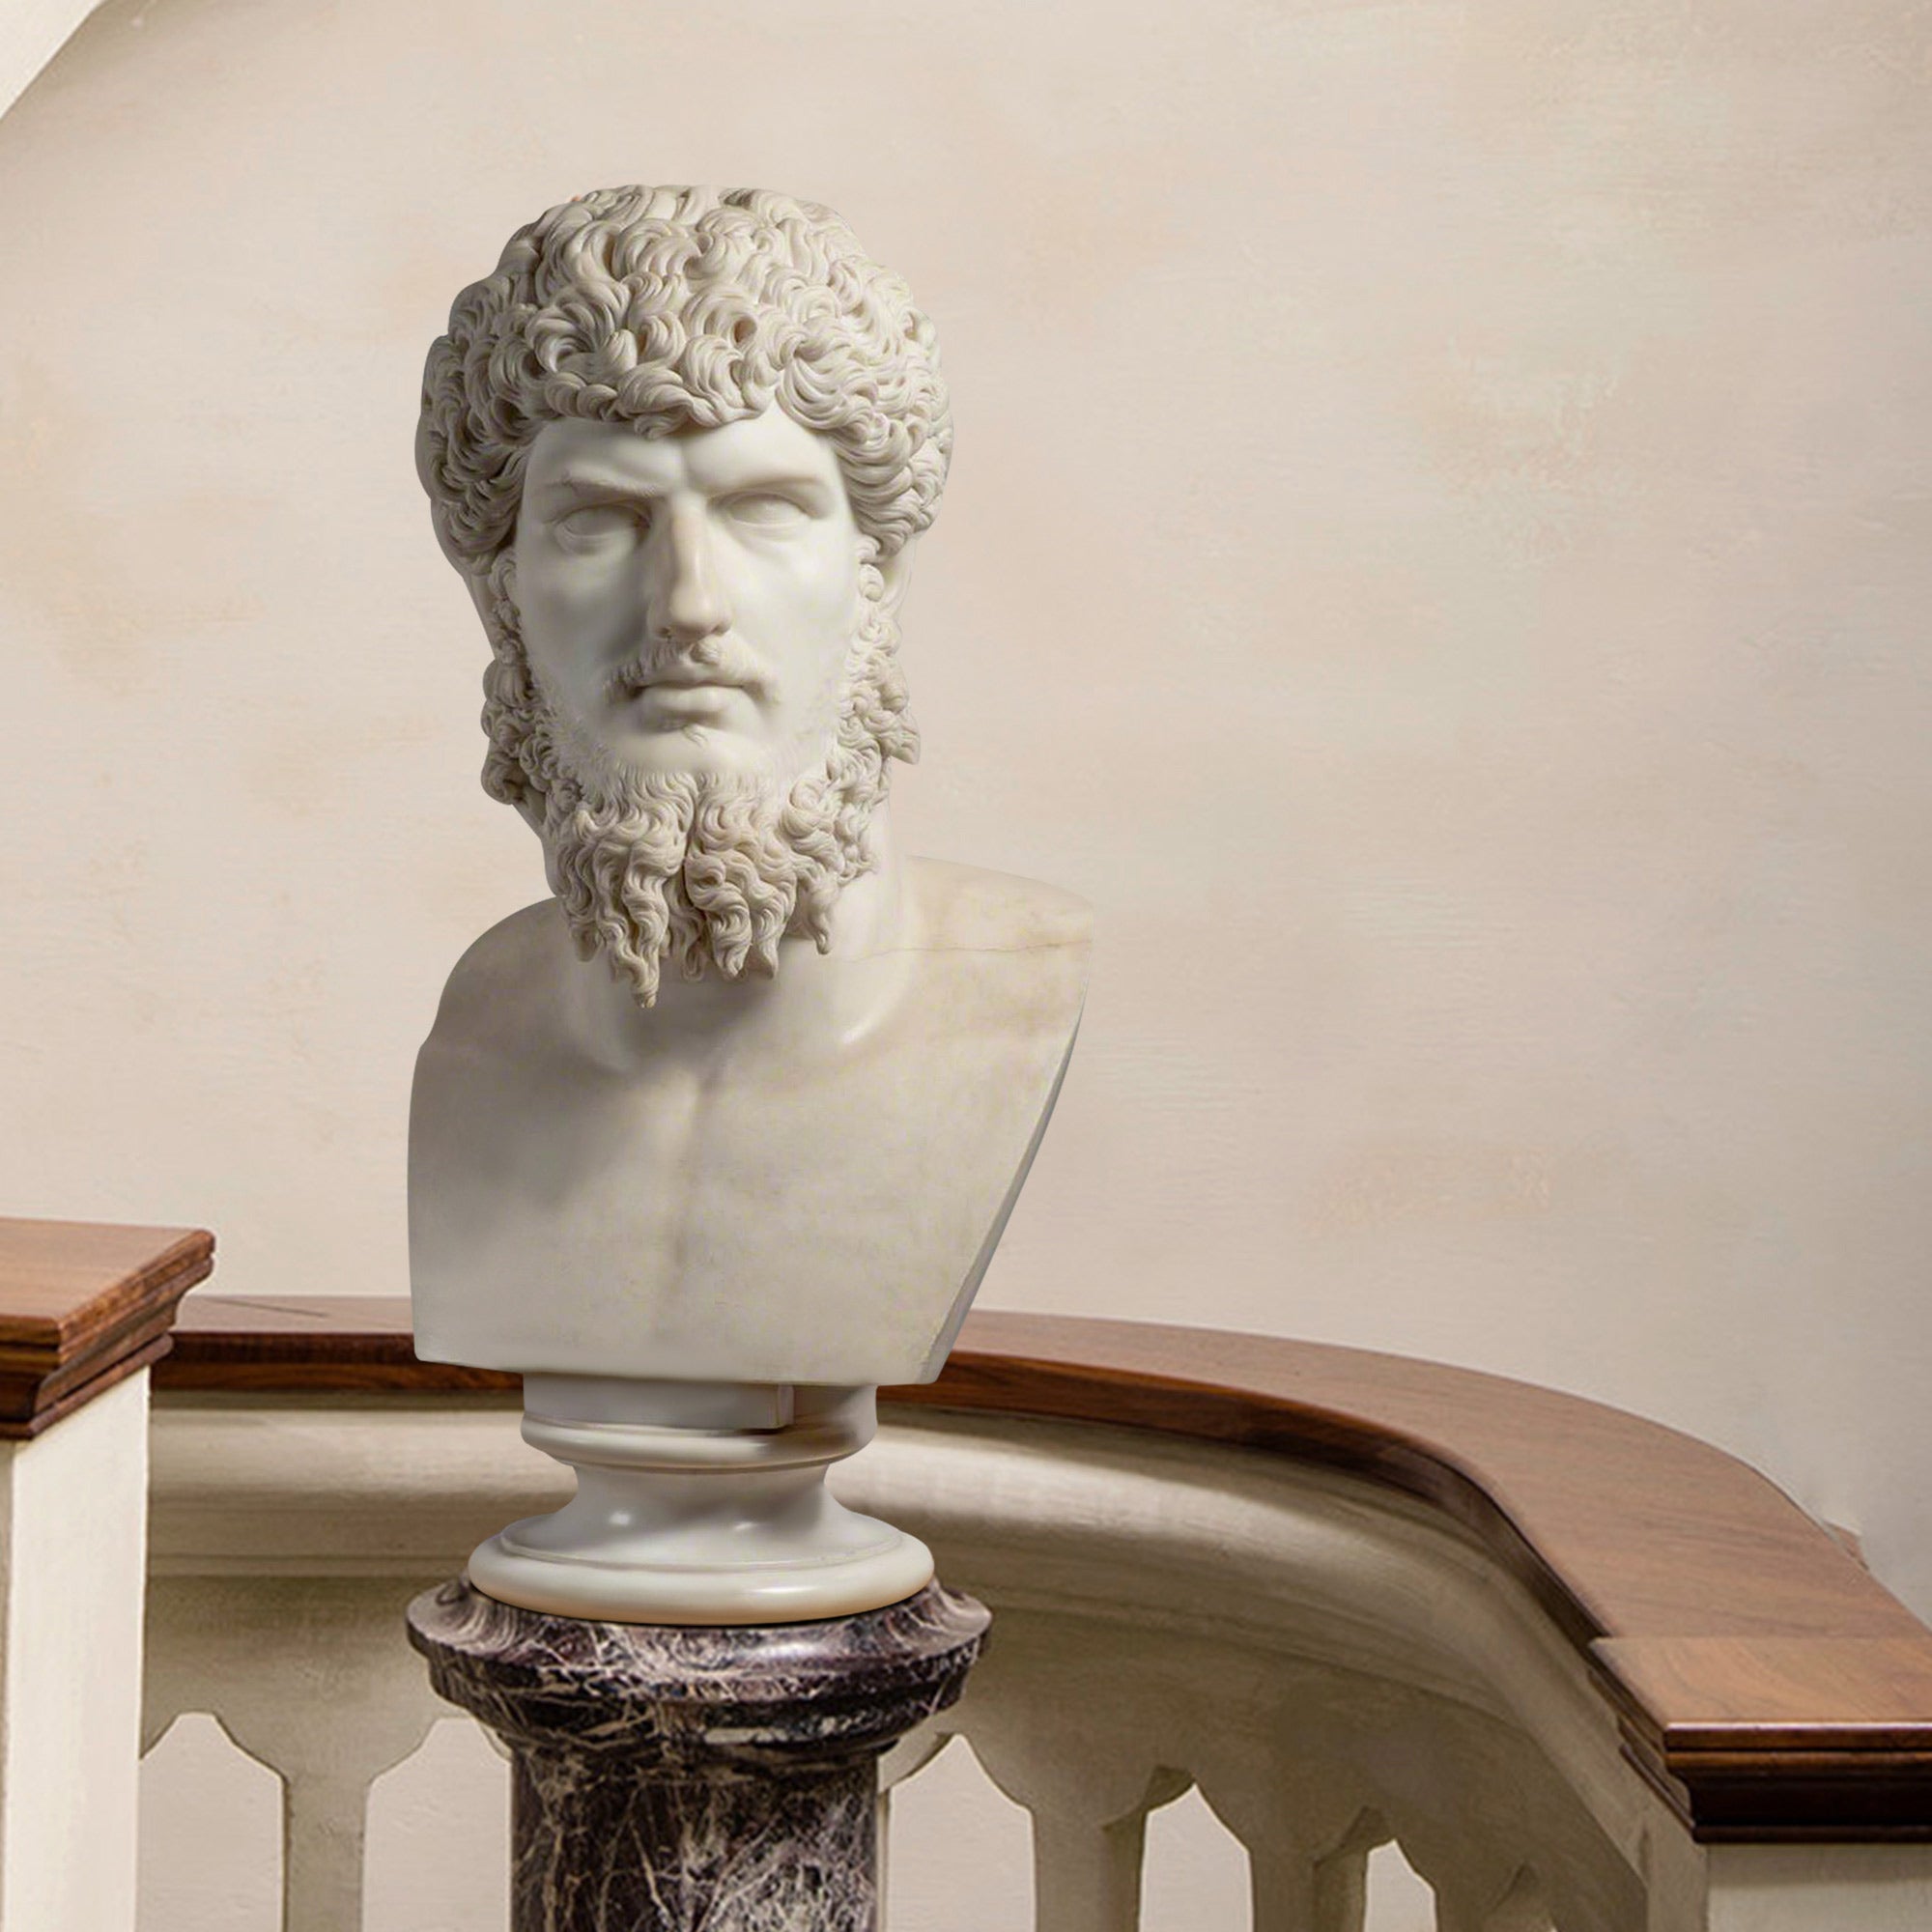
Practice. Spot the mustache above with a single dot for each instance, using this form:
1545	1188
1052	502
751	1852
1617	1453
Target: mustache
707	661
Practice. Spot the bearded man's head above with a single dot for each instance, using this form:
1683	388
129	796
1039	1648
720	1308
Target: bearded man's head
681	443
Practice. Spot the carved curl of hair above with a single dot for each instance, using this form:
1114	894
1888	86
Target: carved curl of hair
675	309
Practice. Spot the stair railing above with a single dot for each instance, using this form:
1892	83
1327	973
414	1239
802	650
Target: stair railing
1586	1672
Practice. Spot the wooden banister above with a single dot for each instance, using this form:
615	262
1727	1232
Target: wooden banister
82	1306
83	1310
1768	1686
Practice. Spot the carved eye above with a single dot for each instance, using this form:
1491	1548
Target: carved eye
600	524
766	510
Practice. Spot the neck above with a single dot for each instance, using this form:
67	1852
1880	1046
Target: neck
834	998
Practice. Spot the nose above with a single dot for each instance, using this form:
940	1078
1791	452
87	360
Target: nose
689	599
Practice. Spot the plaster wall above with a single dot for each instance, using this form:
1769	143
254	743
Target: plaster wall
1438	553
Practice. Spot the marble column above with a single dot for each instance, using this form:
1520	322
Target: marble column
670	1778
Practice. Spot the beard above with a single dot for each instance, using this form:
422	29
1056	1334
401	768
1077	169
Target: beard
708	870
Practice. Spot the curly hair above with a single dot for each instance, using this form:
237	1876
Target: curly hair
682	308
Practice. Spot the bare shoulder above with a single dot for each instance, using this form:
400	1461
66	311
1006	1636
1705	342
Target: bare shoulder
497	974
969	909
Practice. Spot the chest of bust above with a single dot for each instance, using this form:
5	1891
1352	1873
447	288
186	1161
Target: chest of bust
809	1221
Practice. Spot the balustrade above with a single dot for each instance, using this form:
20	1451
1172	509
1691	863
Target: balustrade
1351	1602
1586	1674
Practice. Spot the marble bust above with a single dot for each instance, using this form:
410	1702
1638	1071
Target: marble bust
722	1134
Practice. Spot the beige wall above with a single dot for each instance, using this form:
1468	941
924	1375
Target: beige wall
1438	553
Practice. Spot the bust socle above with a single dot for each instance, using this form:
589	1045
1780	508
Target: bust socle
720	1135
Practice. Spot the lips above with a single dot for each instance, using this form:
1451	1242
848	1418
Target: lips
635	680
664	671
697	680
685	704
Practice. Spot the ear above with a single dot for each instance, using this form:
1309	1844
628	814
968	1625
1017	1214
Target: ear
896	570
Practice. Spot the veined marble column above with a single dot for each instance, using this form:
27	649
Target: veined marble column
670	1778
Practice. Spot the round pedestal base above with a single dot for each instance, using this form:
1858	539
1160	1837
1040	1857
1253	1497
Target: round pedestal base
562	1582
699	1503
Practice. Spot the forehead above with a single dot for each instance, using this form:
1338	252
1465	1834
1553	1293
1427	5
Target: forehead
767	448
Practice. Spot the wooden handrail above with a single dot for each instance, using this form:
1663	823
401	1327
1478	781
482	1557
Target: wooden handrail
1766	1683
82	1306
